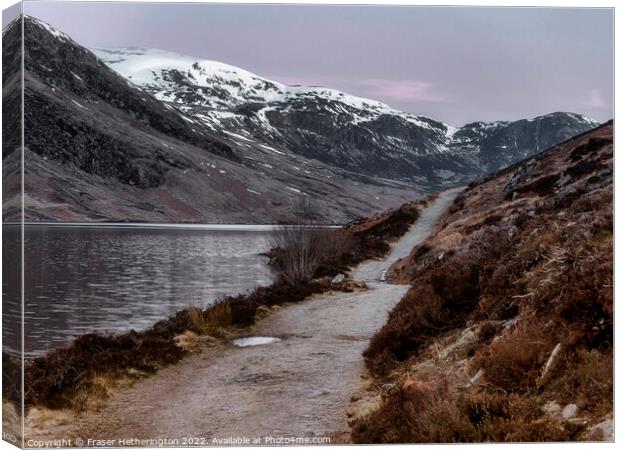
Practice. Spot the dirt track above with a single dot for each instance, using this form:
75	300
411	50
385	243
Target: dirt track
298	387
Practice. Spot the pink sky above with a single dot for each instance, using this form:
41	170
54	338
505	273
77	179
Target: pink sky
455	64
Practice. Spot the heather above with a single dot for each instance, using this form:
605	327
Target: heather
506	333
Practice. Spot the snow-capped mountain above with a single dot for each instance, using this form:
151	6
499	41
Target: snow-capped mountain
189	81
98	147
146	135
358	134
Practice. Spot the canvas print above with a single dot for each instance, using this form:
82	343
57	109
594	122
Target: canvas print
253	224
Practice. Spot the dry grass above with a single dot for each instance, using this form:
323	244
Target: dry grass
530	246
431	411
44	423
586	379
198	320
212	321
188	341
514	363
443	295
415	412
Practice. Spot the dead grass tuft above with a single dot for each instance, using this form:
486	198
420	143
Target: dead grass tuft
416	412
514	362
433	412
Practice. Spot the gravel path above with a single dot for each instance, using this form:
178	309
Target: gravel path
297	387
375	270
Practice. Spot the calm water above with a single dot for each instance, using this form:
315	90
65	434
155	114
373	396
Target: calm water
84	278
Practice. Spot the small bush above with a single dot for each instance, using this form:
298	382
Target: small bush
515	361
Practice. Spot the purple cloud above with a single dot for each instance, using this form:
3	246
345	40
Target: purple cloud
595	99
455	64
410	91
402	90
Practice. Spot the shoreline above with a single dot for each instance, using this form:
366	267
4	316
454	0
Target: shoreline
301	383
191	226
235	312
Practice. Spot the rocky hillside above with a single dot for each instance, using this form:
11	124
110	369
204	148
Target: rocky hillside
144	135
506	333
339	129
11	123
101	148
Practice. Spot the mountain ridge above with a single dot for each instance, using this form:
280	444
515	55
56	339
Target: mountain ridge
106	147
100	149
335	127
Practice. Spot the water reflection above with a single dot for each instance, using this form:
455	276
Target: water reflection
82	279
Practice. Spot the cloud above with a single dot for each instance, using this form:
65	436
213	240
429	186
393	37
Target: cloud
408	91
402	90
595	100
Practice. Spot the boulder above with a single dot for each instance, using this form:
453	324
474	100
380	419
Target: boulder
338	279
553	409
569	411
550	365
465	342
602	431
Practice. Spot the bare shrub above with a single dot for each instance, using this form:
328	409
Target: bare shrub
298	253
306	251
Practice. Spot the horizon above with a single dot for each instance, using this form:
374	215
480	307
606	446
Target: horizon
456	101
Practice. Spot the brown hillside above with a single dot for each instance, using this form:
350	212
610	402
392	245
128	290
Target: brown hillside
508	323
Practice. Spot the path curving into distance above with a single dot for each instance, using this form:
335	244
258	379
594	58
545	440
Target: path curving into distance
297	387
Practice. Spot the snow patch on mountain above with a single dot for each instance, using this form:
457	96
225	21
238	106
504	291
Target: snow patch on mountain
359	135
53	31
191	81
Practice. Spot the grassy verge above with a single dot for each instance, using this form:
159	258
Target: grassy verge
70	377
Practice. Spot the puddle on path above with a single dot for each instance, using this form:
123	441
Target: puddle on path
255	340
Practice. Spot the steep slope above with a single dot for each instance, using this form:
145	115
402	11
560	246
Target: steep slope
100	148
506	333
11	123
175	139
333	127
499	144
